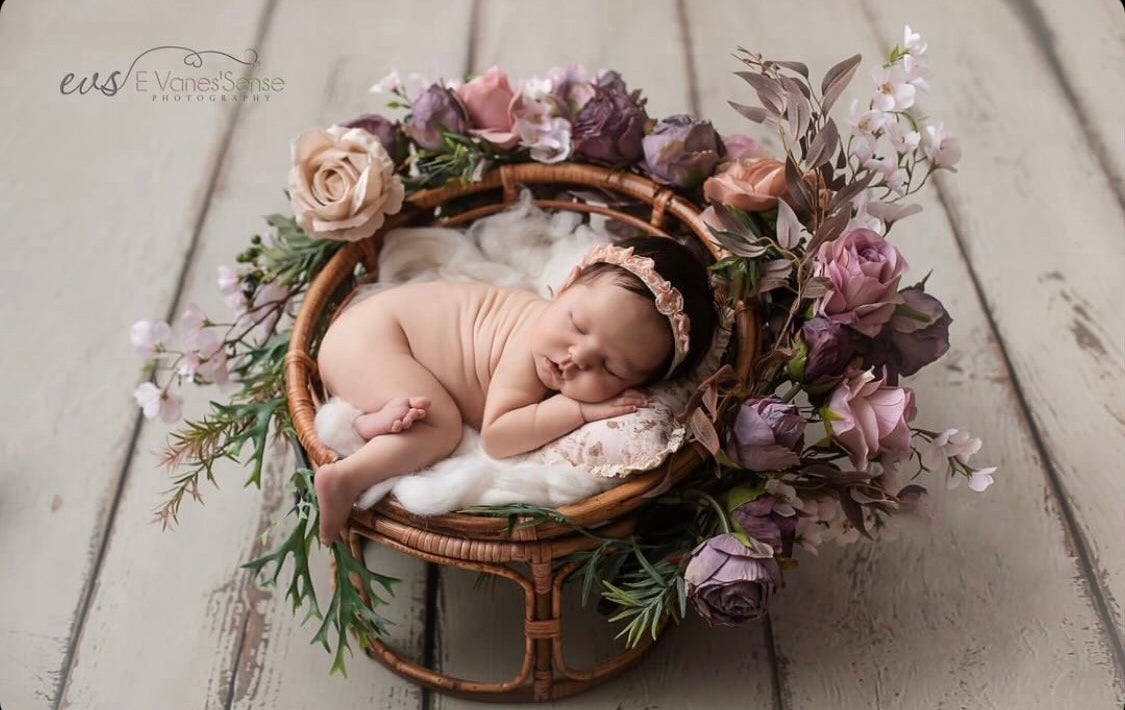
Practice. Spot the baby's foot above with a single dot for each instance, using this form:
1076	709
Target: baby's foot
334	500
395	416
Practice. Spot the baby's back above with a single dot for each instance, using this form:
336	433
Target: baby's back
456	330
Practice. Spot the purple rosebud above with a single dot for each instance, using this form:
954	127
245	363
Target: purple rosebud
387	131
681	152
437	109
831	345
761	522
729	583
767	434
920	335
610	128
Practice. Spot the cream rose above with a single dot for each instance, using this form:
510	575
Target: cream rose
342	183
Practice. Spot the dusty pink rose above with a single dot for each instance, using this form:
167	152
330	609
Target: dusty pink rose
342	183
863	270
749	184
490	102
868	418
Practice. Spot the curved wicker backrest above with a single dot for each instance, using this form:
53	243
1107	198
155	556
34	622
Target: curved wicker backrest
300	368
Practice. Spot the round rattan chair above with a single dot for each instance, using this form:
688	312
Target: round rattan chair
487	544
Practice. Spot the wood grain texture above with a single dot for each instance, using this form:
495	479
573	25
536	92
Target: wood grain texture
253	651
100	198
1083	49
990	608
1043	234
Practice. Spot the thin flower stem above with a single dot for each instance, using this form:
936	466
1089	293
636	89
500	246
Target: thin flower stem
721	514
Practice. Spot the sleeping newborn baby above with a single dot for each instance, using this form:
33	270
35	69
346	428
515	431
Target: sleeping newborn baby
422	359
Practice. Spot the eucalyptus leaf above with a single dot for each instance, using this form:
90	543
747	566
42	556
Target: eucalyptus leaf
836	80
768	90
754	113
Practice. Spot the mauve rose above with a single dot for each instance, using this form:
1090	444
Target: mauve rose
761	522
740	146
386	130
436	109
681	152
570	90
490	103
609	129
920	342
870	417
749	184
830	346
728	583
863	271
766	435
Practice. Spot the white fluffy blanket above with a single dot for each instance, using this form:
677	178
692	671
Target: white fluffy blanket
520	248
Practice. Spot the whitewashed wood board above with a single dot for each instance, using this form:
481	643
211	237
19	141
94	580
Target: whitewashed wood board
1043	233
992	608
260	656
100	197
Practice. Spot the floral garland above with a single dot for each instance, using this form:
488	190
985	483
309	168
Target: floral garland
807	240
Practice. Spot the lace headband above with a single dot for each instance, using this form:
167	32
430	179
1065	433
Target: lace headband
669	301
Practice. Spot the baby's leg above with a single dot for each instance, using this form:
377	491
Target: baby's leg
339	484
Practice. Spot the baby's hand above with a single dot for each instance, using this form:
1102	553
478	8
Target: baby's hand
624	403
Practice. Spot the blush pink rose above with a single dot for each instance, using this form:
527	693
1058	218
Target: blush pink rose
748	184
863	271
869	418
491	104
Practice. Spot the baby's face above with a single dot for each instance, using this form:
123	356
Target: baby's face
596	339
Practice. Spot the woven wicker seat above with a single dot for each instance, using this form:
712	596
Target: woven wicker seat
485	544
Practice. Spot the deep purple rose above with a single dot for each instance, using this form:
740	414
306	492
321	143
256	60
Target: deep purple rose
919	342
762	522
682	152
435	110
610	128
767	434
728	583
863	271
386	130
830	347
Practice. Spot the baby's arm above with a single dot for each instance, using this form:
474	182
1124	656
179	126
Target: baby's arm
515	421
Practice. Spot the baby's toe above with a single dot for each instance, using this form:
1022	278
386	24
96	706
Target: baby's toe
422	403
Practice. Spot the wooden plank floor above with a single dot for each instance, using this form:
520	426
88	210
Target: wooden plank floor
122	208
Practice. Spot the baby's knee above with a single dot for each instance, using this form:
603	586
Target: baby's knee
445	422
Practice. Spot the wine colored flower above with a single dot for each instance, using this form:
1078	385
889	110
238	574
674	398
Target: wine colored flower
387	131
436	109
867	417
921	335
681	152
729	583
770	521
863	271
830	346
767	434
610	127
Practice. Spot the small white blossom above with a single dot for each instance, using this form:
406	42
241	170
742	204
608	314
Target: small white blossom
786	502
228	281
958	444
387	84
165	403
536	88
981	479
892	212
912	43
892	91
150	337
868	122
941	147
863	148
903	139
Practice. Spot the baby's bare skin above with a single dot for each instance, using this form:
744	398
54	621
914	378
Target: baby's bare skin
441	354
